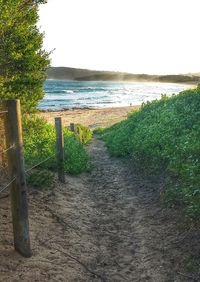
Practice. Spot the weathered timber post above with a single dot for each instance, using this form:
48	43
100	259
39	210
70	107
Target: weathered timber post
72	127
19	203
60	149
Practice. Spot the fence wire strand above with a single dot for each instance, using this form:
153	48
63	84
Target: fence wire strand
3	112
28	170
3	151
3	168
5	187
6	150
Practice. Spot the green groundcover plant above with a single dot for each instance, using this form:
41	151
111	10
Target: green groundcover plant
164	136
83	133
39	144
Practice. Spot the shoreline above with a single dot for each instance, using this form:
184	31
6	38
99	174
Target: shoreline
91	117
68	109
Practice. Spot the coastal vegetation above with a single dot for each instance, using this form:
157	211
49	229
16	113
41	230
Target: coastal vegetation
83	133
39	145
23	65
23	61
163	138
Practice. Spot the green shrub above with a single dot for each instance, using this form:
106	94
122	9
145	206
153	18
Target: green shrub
164	136
39	141
98	130
77	160
39	144
83	133
40	179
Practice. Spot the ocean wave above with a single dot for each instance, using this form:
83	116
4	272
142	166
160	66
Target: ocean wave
68	94
58	91
92	98
92	89
57	100
69	91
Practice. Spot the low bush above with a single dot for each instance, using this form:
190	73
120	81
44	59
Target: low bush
39	144
41	179
98	130
164	136
83	133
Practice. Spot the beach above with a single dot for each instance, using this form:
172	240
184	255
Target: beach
92	118
64	95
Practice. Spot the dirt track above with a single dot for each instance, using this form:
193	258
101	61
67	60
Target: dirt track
107	225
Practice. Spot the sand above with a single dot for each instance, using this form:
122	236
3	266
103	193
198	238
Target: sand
105	226
92	118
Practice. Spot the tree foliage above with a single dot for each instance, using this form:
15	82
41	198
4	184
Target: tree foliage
23	62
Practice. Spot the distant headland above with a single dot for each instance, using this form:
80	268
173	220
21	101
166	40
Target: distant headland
93	75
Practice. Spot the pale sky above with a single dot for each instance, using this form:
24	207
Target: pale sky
139	36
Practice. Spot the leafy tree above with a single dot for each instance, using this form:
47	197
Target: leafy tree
23	62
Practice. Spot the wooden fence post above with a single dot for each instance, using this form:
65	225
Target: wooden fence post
19	204
60	149
72	127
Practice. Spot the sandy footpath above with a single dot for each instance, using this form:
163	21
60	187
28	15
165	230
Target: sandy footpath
105	226
90	117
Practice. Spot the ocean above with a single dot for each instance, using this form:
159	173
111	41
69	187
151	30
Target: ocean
63	94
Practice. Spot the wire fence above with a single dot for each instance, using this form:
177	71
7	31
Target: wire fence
4	174
5	171
5	179
38	164
7	185
13	173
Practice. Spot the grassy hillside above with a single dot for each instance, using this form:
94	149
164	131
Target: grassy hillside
92	75
164	136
